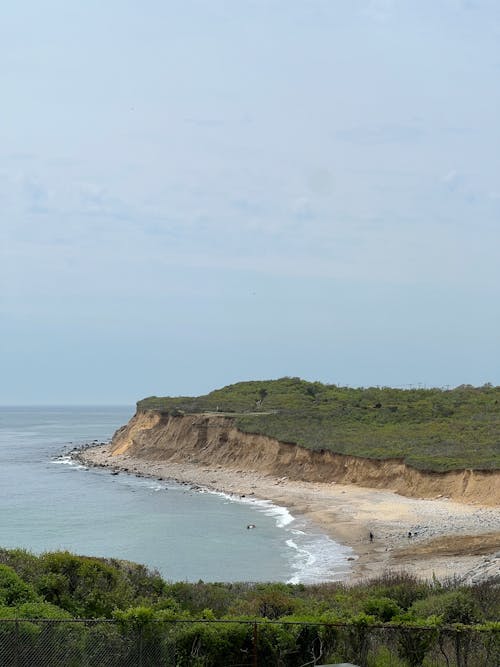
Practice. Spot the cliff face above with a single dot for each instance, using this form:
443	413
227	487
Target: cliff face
214	440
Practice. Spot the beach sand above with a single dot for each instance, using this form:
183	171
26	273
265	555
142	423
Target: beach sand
448	539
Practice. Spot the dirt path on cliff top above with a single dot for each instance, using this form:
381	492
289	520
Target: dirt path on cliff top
448	538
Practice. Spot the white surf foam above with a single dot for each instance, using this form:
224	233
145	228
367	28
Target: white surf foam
318	558
313	557
281	514
68	460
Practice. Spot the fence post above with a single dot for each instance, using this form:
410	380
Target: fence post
255	663
18	645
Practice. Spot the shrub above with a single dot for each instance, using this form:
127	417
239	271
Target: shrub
23	562
414	643
384	609
270	601
13	590
403	588
450	606
86	587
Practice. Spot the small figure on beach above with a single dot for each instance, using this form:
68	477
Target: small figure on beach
250	526
409	534
371	536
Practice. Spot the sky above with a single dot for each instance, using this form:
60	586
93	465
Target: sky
198	192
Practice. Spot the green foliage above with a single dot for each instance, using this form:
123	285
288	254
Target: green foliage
145	584
404	589
383	609
450	606
23	562
135	618
35	610
204	645
394	615
431	429
13	590
270	601
414	643
63	585
487	598
198	596
85	587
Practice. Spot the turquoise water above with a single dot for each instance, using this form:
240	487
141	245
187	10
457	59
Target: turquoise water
48	502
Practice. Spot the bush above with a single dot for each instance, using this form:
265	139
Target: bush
403	588
270	601
450	606
383	609
86	587
23	562
13	590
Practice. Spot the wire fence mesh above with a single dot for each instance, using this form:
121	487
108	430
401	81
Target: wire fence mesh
104	643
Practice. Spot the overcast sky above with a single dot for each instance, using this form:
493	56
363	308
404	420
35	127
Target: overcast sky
196	192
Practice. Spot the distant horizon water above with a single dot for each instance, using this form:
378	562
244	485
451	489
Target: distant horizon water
50	502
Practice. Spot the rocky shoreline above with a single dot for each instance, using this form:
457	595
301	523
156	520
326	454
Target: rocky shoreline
448	539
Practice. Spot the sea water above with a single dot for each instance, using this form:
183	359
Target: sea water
49	502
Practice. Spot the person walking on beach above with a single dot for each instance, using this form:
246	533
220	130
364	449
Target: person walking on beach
371	536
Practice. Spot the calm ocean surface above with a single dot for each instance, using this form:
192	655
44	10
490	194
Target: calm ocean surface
47	502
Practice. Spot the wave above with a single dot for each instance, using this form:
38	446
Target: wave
318	559
68	460
312	556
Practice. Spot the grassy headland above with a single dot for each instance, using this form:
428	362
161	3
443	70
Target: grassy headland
430	429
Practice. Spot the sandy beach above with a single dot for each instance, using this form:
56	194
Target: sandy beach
447	538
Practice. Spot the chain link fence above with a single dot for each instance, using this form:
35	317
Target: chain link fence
103	643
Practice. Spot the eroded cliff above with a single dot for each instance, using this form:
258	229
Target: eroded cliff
214	440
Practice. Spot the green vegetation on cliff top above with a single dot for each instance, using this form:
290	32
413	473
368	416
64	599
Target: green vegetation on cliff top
431	429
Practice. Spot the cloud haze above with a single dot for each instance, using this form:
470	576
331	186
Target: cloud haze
193	193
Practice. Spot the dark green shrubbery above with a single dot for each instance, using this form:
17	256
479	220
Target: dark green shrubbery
383	609
404	589
156	622
271	601
13	590
87	587
449	606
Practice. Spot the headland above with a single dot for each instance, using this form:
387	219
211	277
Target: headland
436	519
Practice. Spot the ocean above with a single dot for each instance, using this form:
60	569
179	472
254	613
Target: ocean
49	502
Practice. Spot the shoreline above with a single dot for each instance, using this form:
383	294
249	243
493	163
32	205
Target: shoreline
448	538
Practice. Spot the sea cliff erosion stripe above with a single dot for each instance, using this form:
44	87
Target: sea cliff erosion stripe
215	440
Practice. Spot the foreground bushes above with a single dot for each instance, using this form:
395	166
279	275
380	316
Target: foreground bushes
389	621
86	587
142	640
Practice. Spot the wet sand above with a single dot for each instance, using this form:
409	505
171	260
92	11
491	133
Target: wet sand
448	539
